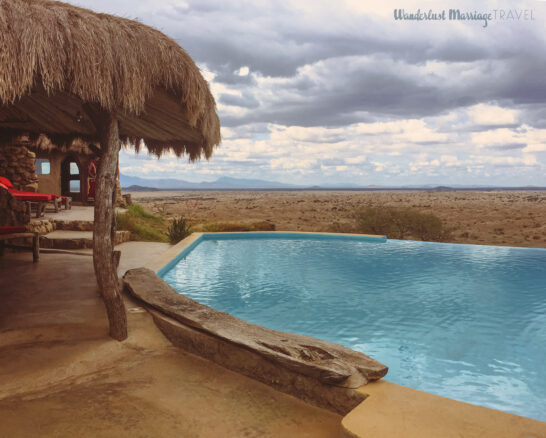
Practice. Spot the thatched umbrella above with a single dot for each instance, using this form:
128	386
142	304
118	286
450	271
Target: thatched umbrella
73	74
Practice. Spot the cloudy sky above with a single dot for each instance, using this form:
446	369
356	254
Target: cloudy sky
336	91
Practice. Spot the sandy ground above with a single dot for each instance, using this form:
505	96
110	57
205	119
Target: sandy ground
62	376
493	218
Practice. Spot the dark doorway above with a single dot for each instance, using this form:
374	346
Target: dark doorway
70	179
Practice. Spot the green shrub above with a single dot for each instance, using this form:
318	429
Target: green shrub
178	230
399	223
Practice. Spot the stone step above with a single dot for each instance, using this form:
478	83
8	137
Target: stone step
73	225
62	239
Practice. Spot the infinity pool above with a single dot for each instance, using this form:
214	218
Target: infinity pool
462	321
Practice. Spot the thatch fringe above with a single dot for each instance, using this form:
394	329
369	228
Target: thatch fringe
44	143
104	60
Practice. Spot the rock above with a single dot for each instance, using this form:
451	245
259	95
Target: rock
41	227
319	365
74	225
12	211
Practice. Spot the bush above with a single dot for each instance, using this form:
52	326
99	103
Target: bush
224	227
400	223
178	230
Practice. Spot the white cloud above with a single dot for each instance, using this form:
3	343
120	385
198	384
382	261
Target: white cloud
243	71
483	114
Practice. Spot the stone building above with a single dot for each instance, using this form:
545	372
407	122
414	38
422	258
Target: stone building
37	165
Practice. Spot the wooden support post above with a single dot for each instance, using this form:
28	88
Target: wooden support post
116	256
103	242
35	247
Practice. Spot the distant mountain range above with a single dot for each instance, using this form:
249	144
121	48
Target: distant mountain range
223	182
136	184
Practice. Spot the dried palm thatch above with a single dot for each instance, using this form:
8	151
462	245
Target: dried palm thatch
42	143
61	65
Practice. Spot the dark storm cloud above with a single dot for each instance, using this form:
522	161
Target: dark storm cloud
273	42
349	98
244	101
276	40
512	68
387	90
226	76
535	115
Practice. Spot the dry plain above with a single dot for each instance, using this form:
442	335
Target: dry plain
511	218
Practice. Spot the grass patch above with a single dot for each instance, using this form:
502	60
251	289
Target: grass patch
137	210
143	226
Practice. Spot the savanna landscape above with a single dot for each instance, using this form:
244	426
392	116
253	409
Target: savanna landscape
510	218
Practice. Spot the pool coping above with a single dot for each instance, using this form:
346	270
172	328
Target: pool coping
392	411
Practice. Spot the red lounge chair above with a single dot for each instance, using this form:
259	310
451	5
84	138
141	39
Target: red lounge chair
40	199
14	232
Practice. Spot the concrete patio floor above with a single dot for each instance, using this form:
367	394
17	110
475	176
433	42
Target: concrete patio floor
61	375
76	213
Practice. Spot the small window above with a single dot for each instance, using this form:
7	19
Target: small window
74	169
74	186
42	166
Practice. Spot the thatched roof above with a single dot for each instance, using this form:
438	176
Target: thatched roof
60	65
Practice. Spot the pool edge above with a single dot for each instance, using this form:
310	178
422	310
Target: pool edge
391	410
182	248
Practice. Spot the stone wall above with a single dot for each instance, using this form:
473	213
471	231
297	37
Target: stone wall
12	211
18	164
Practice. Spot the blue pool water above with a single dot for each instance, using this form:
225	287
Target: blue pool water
461	321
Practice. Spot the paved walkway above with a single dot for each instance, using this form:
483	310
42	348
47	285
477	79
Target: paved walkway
61	375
